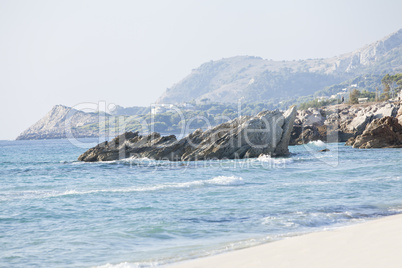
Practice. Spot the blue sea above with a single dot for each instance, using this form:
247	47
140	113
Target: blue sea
58	212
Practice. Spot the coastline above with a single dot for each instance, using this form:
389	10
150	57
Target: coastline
375	243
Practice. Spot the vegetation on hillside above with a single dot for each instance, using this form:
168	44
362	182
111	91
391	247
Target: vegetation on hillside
206	114
354	96
203	115
392	85
369	88
316	103
256	79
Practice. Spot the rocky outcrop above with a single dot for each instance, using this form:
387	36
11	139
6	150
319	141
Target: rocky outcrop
66	122
309	126
399	115
305	134
385	132
282	147
339	123
336	123
267	133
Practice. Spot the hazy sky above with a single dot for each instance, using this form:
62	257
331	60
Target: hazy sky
129	52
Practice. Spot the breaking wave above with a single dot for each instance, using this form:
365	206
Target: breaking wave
318	143
216	181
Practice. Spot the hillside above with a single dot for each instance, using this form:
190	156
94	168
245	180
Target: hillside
81	124
256	79
53	124
261	84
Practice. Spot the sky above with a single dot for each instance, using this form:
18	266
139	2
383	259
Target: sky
127	52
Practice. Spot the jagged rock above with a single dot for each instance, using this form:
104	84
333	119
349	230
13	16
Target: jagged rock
305	134
309	126
310	116
359	123
282	147
380	133
389	109
399	115
244	137
341	123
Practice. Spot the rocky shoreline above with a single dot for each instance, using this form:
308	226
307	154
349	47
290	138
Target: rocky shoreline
377	124
359	125
384	132
267	133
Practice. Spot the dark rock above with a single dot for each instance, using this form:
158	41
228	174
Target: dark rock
305	134
244	137
385	132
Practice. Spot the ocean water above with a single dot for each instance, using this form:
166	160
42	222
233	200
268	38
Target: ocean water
57	212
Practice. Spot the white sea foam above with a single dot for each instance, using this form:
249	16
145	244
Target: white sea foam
216	181
225	180
315	219
211	251
318	143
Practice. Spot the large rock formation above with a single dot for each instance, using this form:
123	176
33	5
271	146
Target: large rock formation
339	123
244	137
309	126
381	133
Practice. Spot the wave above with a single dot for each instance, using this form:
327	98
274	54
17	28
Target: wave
151	163
216	181
329	217
133	161
211	251
296	223
314	219
318	143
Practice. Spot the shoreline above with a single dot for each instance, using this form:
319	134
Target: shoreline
375	243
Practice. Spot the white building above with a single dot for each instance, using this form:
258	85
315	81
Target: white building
322	98
157	109
164	107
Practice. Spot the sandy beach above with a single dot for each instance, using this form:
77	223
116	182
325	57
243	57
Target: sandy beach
376	243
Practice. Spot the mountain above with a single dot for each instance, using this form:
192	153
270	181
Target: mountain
56	121
273	84
256	79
